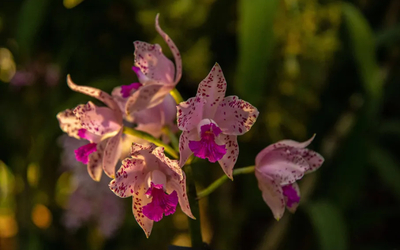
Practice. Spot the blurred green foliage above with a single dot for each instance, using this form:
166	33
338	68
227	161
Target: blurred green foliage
311	66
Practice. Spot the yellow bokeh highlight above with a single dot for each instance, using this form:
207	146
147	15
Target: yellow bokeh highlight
8	224
69	4
64	189
7	181
33	174
182	239
41	216
7	65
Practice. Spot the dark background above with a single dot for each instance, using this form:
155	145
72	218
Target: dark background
325	67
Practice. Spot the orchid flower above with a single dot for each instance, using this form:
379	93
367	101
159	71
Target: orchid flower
156	73
101	126
211	122
277	169
150	120
155	182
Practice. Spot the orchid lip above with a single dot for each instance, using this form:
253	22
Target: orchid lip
82	154
290	193
161	203
207	147
127	89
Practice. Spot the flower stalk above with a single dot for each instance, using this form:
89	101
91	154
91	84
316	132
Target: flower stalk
194	225
222	179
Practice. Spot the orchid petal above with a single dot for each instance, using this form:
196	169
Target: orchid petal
154	129
97	120
112	153
313	158
180	187
96	93
294	205
232	152
128	178
69	123
271	193
146	97
118	99
190	113
284	165
140	200
174	50
94	167
235	116
184	150
280	144
172	166
212	89
153	63
163	113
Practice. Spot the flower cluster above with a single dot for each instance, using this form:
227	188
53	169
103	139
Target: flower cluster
209	124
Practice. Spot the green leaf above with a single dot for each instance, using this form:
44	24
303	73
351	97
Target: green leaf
388	169
256	42
362	42
329	225
31	17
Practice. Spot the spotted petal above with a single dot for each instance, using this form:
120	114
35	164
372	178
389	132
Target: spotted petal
212	89
169	167
96	93
153	63
69	123
112	153
284	165
173	48
271	193
184	149
128	178
281	144
232	152
180	187
140	200
94	167
190	113
235	116
97	120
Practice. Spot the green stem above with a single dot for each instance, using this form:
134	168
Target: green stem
172	137
194	225
148	137
176	95
222	179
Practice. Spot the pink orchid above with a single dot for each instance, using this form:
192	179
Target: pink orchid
155	182
277	169
101	126
211	122
156	74
150	120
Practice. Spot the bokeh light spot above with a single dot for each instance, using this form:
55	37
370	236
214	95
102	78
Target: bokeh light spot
41	216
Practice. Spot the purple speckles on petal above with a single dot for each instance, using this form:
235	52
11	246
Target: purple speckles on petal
206	147
161	203
291	195
82	153
127	89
